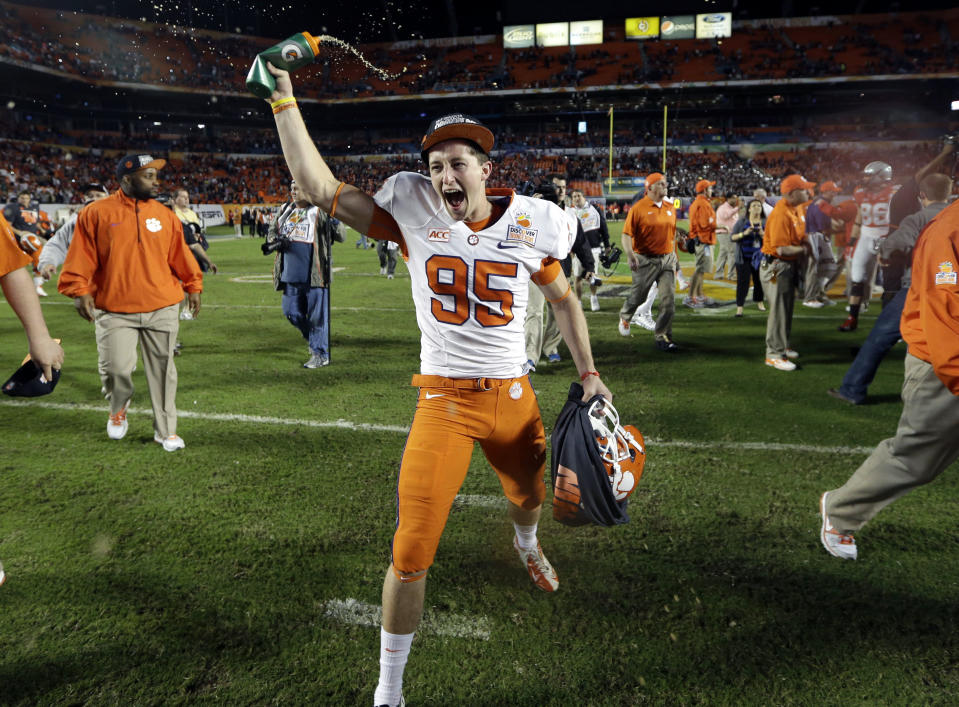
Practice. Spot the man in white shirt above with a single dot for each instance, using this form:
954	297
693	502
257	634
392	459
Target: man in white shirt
470	252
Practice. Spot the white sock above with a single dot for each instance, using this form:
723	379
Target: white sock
394	652
646	308
526	536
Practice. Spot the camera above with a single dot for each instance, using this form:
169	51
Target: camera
280	245
609	257
950	139
547	190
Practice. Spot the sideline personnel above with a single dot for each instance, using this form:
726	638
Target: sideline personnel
926	442
124	269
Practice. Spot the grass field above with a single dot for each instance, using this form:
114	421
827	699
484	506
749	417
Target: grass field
247	568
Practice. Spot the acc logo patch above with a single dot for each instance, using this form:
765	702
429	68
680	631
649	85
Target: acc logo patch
438	235
947	274
522	235
153	225
524	220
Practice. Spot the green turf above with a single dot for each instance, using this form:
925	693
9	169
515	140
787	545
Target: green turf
142	577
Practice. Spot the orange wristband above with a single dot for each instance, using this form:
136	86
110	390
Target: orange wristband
588	374
287	106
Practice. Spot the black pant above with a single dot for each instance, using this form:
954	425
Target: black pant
744	273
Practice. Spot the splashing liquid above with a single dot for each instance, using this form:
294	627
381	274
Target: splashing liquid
382	73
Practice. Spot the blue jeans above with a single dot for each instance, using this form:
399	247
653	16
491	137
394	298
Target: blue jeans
307	309
884	335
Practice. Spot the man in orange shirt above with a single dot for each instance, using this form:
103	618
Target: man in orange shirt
702	228
784	245
124	269
649	236
926	442
21	293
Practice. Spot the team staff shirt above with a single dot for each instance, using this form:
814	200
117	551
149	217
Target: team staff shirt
786	225
702	220
874	208
130	255
470	289
11	256
652	226
930	317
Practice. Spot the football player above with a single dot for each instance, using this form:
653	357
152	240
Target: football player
31	226
471	252
873	199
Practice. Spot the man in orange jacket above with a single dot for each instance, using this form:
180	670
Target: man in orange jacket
127	269
702	228
926	442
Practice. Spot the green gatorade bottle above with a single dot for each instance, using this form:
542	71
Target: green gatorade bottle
299	50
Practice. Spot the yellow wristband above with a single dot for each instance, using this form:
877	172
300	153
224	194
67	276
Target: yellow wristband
282	102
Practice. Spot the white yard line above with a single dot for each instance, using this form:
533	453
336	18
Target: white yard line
404	429
358	613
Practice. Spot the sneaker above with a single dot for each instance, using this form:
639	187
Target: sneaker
390	276
781	364
553	358
117	424
594	303
646	321
171	443
382	271
826	301
539	568
623	327
530	366
837	544
185	315
317	361
850	324
760	306
792	353
666	345
814	303
839	395
402	703
692	302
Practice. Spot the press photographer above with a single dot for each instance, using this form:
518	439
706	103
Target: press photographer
301	237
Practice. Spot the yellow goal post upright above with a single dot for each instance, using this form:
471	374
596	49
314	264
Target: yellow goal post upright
609	177
665	114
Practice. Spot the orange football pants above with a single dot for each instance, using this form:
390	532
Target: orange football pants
451	415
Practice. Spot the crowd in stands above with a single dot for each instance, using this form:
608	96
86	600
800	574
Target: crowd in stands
109	49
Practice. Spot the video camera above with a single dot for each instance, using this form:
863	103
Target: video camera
279	244
609	257
547	190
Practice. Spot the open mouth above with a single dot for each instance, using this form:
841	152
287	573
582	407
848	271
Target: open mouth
454	198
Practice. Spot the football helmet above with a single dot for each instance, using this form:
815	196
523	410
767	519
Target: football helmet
596	463
877	173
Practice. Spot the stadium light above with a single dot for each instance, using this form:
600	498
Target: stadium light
201	125
955	105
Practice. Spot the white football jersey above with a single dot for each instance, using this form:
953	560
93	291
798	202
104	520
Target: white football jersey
470	289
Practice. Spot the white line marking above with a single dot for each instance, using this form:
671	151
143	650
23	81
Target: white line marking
467	499
358	613
404	429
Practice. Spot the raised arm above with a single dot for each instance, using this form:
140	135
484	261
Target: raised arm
315	181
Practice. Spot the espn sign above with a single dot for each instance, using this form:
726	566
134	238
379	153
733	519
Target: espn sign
519	36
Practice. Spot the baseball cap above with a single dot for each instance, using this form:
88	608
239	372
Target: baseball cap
651	179
793	182
703	184
134	163
28	382
91	186
457	126
828	186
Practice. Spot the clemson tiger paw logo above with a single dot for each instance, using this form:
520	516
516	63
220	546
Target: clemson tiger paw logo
153	225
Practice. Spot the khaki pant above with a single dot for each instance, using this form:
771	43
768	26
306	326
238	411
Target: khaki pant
704	259
659	270
725	256
925	444
117	338
540	330
779	289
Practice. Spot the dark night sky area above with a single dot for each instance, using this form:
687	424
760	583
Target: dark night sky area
389	20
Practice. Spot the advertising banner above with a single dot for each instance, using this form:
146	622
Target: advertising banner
211	214
586	32
714	24
642	27
519	36
552	34
678	27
